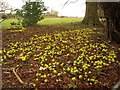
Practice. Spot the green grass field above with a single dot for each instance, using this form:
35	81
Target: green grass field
55	21
6	24
47	21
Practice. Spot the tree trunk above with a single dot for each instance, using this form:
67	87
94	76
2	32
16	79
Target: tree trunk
91	17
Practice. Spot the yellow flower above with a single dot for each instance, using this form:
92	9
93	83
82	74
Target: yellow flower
80	76
36	79
44	76
34	85
119	49
45	80
0	51
54	71
23	58
73	78
37	74
59	74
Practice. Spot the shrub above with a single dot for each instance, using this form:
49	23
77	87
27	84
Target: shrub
32	12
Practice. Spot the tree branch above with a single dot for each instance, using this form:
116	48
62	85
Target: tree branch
69	2
65	3
74	1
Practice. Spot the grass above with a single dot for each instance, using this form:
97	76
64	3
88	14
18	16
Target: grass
55	21
47	21
6	24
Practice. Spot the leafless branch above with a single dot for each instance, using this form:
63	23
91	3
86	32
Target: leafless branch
65	3
69	2
74	1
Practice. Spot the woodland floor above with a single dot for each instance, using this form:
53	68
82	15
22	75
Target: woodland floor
59	56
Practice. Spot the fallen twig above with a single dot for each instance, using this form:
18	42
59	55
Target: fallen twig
19	79
6	69
14	71
6	72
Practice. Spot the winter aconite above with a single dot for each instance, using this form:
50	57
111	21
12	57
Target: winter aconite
71	55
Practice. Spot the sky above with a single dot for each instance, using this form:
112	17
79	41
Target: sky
76	9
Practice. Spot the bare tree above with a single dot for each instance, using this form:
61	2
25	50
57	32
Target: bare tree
3	5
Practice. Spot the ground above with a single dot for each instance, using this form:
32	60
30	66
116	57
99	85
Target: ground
67	56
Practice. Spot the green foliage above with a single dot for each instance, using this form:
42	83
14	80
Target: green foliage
19	13
32	12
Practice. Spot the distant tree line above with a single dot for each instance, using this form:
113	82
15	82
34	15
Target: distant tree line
52	13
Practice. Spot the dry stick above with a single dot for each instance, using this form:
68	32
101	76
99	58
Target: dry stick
6	69
16	70
6	72
13	69
17	76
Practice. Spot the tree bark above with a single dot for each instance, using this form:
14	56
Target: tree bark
91	17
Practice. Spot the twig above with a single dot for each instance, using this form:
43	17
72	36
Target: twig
19	79
6	72
6	69
14	71
67	2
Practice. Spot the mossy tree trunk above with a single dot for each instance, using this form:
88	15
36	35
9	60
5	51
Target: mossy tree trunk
91	16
